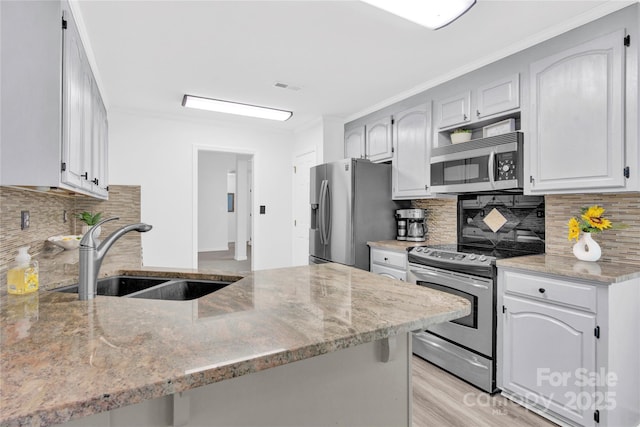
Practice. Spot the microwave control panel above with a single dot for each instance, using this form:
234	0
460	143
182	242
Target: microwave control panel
507	166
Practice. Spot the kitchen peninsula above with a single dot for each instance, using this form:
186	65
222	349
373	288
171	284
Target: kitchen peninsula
126	361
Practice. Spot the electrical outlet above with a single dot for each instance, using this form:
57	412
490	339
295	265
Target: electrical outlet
24	220
540	214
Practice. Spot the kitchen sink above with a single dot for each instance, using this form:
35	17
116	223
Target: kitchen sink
181	290
153	288
118	286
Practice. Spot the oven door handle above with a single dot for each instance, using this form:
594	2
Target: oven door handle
423	275
491	164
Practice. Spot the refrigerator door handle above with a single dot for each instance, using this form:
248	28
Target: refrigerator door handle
321	210
327	217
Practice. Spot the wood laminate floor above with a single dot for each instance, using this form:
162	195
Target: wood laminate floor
224	260
443	400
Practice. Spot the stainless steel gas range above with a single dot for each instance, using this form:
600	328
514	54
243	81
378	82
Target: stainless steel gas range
489	227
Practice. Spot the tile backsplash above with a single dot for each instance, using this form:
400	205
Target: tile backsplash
617	245
46	218
441	219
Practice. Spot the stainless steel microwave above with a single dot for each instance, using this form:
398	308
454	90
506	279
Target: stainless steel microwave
487	164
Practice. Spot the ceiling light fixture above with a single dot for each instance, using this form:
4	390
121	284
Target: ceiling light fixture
229	107
433	14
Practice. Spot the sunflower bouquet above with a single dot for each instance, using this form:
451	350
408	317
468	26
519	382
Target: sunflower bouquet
591	221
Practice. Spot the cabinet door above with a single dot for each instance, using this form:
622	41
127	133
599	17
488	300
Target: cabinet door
73	87
379	140
99	146
354	143
88	113
577	123
547	350
410	167
498	97
454	110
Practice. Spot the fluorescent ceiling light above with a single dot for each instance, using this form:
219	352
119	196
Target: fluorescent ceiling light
432	14
219	106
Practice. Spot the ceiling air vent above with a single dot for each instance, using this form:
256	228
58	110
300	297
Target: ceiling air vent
286	86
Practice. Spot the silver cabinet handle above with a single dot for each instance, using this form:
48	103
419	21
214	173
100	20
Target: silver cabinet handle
464	116
477	113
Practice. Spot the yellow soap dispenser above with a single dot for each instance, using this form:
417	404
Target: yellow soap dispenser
22	278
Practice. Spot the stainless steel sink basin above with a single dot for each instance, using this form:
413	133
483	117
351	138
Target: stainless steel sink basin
181	290
118	286
153	288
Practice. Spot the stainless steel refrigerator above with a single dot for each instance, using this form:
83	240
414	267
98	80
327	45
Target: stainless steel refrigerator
350	205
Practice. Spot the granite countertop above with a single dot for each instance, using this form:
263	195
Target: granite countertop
62	358
395	245
605	272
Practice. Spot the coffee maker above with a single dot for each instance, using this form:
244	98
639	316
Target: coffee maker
410	225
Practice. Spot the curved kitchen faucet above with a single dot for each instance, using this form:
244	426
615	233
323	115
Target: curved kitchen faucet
92	254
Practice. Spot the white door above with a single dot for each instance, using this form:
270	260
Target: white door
301	209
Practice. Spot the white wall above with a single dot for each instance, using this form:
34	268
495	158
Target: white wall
157	153
332	139
213	219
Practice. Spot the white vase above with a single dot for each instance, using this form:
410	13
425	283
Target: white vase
587	249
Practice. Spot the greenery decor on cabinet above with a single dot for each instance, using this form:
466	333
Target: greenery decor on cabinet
89	218
460	135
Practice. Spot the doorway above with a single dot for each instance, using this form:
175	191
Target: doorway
223	187
301	211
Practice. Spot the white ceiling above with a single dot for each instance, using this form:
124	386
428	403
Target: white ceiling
346	56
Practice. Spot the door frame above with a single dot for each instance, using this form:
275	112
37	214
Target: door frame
196	149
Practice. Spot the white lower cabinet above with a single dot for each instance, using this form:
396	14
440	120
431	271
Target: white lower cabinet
558	347
389	263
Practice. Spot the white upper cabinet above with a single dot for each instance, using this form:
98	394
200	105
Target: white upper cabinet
410	165
498	97
379	140
576	140
493	99
354	143
73	98
55	132
455	110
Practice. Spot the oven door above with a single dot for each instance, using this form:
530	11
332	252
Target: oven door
475	331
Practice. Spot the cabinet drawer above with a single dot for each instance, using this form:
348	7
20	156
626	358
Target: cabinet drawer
390	258
552	290
391	272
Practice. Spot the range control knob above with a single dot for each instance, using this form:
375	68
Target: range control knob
482	258
505	168
472	257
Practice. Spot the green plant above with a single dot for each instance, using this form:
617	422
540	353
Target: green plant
89	218
462	131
